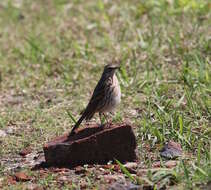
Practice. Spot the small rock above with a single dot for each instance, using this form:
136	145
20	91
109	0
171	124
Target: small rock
171	150
168	164
20	176
119	186
63	178
98	177
10	131
132	186
112	178
171	163
2	133
133	112
32	186
1	180
207	186
156	164
116	168
79	170
83	184
131	166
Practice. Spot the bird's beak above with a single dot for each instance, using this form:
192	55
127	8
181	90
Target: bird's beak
117	67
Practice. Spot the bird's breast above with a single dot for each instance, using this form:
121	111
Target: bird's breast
116	91
113	95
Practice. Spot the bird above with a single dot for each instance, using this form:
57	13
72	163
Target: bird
105	97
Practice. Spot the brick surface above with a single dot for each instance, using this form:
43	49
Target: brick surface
92	145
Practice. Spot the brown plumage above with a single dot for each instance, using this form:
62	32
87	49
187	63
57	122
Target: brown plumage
105	97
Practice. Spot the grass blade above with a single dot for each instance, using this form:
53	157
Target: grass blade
71	116
125	171
186	172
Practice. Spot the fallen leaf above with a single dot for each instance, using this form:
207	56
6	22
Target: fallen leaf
11	180
114	167
25	151
42	173
108	166
21	176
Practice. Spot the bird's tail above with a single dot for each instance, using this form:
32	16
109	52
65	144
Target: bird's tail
77	124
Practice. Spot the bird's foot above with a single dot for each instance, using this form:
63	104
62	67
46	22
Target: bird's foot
101	125
108	124
72	133
105	125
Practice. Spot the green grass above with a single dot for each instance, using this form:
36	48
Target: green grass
52	53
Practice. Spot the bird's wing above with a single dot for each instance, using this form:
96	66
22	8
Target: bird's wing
96	99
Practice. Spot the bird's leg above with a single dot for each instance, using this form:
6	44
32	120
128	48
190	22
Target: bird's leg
111	112
107	121
101	119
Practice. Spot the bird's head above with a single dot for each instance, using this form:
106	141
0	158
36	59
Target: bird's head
112	66
110	69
